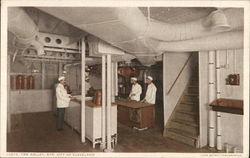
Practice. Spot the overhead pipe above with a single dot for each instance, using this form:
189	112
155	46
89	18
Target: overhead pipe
211	96
229	40
155	36
24	29
216	21
218	114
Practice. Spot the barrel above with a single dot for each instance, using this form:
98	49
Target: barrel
19	82
30	82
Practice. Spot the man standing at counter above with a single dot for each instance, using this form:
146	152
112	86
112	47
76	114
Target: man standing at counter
136	90
63	99
151	91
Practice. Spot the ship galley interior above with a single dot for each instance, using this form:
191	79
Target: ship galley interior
134	79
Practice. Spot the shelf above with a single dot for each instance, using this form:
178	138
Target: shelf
228	105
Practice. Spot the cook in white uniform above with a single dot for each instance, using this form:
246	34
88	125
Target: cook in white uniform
151	91
63	99
136	90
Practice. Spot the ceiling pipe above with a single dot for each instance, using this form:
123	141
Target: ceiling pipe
24	29
128	29
216	21
139	26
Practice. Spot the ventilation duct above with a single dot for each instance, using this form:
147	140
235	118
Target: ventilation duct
228	40
128	29
217	21
24	29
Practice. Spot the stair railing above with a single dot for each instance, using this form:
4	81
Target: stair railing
179	74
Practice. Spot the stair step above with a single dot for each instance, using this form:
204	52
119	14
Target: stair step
189	123
190	103
187	107
193	89
190	98
182	136
182	125
185	116
187	112
192	94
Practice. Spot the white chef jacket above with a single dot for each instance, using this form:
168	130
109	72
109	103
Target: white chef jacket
136	89
62	96
151	94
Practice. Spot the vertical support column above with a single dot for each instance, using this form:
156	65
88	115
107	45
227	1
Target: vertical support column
116	78
108	149
43	75
83	92
164	88
218	114
211	96
112	82
103	144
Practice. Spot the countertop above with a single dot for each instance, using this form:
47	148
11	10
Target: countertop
132	103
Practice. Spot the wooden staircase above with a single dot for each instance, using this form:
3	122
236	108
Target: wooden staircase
183	125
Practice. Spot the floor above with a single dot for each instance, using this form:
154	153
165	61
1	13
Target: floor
36	132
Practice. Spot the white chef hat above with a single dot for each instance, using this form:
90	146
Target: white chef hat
150	78
134	78
61	78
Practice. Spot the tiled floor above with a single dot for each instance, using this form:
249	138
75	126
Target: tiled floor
36	132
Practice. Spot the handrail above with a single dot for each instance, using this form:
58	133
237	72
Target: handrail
179	74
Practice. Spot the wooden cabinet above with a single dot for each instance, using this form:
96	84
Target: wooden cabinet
136	114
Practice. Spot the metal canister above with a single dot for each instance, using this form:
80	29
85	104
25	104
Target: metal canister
30	82
98	97
19	82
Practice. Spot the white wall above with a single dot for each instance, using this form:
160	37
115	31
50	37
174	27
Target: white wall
173	62
27	101
232	124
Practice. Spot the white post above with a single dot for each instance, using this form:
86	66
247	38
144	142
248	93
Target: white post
164	89
112	82
43	75
218	114
83	92
103	144
116	78
211	96
108	149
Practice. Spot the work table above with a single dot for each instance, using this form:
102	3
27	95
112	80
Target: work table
135	114
132	103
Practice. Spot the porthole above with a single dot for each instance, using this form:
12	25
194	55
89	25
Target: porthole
58	41
47	39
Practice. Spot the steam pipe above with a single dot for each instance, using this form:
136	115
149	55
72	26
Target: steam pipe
211	96
218	114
